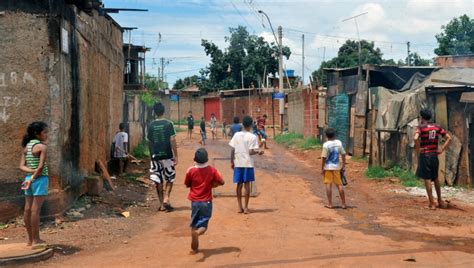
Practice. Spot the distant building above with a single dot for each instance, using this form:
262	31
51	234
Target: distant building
455	61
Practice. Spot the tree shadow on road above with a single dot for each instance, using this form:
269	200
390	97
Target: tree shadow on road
216	251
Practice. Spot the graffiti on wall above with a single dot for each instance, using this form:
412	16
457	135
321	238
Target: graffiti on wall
8	102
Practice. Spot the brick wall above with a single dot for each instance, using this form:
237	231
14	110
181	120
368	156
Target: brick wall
78	93
303	112
259	105
455	61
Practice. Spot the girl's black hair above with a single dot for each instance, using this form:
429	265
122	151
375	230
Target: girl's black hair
32	131
236	120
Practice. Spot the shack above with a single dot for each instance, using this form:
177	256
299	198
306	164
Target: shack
348	104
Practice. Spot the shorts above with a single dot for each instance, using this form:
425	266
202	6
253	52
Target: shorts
332	176
262	133
203	135
39	187
162	170
428	167
201	213
190	127
243	174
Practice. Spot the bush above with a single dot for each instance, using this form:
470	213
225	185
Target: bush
141	151
376	172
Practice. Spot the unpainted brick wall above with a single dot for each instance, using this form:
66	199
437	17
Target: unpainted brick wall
78	93
303	112
259	105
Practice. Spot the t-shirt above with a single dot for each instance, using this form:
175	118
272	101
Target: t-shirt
200	179
190	119
235	128
260	123
202	125
213	122
429	137
159	133
120	139
243	142
331	151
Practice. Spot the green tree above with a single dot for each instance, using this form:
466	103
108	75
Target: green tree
152	83
246	53
348	56
416	60
457	37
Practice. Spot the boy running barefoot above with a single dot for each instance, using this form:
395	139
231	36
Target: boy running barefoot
201	178
244	144
426	138
331	166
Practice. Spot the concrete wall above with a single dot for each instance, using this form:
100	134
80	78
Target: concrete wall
78	93
303	112
455	61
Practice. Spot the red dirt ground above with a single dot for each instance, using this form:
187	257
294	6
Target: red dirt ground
288	224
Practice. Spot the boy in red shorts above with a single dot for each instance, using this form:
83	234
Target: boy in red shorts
201	178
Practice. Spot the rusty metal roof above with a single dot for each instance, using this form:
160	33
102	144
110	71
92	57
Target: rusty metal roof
467	97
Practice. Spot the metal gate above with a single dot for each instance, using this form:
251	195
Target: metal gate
338	116
212	105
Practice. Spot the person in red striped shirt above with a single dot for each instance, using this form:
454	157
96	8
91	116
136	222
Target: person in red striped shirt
427	137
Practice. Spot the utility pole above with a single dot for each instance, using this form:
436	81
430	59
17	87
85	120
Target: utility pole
302	59
359	72
408	53
280	76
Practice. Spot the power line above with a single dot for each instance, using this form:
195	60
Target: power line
238	11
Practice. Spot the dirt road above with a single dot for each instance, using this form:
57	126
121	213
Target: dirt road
289	226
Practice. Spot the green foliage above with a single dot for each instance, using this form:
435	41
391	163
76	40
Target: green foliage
416	60
407	178
153	83
149	99
298	141
132	177
187	81
457	37
141	151
246	53
310	143
348	56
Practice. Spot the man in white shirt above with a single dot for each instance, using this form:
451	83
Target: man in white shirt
121	148
244	144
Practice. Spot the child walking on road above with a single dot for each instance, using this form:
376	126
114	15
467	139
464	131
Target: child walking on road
244	144
202	129
200	179
331	166
33	161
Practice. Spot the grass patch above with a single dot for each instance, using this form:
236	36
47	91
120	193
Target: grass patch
360	159
178	129
141	151
310	143
132	177
407	178
298	141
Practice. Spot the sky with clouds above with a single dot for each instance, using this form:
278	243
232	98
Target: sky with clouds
183	23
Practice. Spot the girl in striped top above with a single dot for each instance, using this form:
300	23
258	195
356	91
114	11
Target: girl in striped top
33	161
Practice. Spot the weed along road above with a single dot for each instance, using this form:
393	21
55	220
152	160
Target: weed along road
289	226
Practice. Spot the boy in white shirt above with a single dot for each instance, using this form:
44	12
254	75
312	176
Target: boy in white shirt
244	144
331	166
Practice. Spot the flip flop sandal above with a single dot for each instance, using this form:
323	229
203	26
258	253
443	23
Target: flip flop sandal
40	246
168	207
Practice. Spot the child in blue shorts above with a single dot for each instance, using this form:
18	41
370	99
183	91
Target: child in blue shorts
201	178
33	161
244	144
